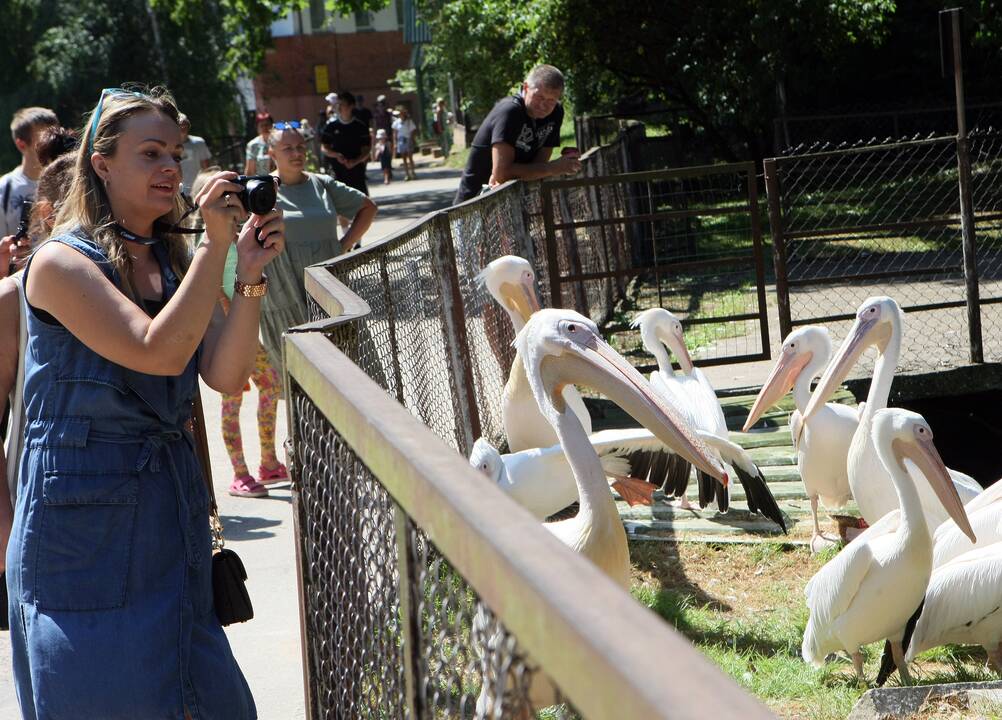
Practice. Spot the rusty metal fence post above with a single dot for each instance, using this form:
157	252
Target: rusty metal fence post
756	228
772	190
966	201
443	257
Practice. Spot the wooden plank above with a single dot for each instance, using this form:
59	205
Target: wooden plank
781	455
778	436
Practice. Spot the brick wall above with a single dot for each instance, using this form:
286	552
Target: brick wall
358	62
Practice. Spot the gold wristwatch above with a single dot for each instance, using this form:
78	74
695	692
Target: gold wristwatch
252	291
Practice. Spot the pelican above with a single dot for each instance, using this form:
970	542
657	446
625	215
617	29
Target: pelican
961	602
693	394
558	347
512	283
540	479
878	324
963	605
867	592
822	446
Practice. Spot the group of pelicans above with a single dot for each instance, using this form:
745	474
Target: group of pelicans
927	570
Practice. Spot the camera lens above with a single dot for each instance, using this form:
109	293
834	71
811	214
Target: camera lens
261	196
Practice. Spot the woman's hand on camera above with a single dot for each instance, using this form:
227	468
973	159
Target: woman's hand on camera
221	210
253	253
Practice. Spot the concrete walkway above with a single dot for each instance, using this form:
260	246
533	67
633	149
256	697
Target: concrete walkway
261	531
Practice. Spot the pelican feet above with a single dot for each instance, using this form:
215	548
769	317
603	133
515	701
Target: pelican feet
633	490
898	653
857	664
820	541
682	503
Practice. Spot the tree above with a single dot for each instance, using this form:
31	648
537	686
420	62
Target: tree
60	53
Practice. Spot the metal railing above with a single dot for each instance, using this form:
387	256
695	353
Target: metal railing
424	591
869	220
427	593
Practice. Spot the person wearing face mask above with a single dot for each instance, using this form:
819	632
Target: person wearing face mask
517	137
110	556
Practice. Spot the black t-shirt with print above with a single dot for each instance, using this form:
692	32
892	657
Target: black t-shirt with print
507	123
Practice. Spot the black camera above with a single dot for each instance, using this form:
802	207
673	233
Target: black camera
259	193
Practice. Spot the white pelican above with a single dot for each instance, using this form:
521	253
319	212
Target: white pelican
822	446
963	605
869	590
512	283
540	479
692	393
878	324
559	347
960	605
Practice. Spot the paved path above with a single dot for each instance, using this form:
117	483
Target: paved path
260	531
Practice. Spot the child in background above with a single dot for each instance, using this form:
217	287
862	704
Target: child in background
383	152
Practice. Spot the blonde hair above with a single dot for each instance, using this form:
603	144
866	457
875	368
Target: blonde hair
87	207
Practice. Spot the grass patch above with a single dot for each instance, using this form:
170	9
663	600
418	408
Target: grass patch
743	607
457	158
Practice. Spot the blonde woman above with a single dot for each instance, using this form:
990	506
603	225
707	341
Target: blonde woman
109	564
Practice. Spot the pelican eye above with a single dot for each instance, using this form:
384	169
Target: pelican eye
572	328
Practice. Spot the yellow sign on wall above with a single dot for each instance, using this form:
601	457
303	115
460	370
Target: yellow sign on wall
321	82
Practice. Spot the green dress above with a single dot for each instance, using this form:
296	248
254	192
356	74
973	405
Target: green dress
311	209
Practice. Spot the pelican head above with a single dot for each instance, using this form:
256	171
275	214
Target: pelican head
487	459
512	283
807	346
659	327
561	347
901	435
877	320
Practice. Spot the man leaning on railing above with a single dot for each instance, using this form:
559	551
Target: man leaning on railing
518	135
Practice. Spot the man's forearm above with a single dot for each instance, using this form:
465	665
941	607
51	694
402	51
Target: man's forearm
526	171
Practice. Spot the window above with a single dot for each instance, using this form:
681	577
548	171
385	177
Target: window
318	14
363	21
399	4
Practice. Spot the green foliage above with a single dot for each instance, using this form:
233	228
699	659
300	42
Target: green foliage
60	53
405	81
725	69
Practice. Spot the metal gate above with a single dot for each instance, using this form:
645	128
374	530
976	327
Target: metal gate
689	238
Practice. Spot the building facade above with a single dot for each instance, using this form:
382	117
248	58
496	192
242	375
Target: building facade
315	53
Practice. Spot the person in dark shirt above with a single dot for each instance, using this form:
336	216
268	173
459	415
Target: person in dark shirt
344	140
362	112
517	136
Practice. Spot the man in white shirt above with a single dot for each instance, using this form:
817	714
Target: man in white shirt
19	184
195	156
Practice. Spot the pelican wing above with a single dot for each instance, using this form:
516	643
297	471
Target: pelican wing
961	593
707	406
985	514
757	492
649	458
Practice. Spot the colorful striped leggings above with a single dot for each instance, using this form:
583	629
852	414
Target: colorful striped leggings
269	388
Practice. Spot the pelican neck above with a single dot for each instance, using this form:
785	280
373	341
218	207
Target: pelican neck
802	385
883	371
593	489
912	516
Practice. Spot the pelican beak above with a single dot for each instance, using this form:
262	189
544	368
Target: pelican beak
838	369
520	298
601	368
779	382
924	454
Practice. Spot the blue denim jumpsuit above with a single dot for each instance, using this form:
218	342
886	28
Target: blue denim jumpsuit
109	562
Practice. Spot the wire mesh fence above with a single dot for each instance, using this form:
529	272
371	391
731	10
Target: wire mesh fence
427	593
688	240
869	220
797	135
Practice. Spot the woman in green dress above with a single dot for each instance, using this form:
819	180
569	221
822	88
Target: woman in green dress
312	203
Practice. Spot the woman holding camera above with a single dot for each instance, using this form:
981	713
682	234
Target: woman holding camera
109	563
312	204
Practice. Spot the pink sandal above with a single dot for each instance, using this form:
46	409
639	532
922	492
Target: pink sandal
246	486
271	477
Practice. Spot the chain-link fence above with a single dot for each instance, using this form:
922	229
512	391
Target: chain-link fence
797	135
868	220
428	593
688	239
